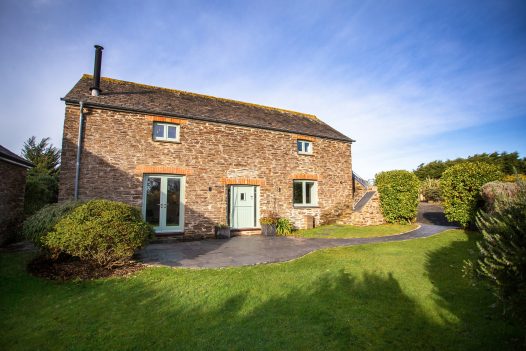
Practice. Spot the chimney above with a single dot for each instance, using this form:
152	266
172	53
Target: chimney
95	89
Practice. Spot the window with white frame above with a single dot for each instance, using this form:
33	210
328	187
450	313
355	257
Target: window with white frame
165	131
304	147
305	193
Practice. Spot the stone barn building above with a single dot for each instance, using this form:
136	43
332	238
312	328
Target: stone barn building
191	161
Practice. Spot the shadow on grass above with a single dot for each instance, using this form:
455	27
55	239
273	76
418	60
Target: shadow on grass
257	308
473	305
161	310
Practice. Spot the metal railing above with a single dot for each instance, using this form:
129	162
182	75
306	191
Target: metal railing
360	180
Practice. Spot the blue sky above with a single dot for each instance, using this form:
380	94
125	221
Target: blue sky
411	81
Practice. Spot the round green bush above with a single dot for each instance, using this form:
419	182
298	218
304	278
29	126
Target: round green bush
100	231
36	227
398	195
461	185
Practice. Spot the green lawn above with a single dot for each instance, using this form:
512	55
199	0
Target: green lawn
396	296
340	231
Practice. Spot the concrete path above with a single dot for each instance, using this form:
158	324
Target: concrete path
249	250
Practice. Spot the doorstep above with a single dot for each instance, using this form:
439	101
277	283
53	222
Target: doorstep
245	231
164	238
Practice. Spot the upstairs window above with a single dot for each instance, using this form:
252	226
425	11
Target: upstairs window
304	147
305	193
166	132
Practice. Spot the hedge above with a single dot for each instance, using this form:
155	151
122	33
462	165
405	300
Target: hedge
398	192
461	185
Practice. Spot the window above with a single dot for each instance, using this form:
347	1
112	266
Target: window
305	193
304	147
165	132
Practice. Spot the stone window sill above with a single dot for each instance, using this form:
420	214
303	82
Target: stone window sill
167	141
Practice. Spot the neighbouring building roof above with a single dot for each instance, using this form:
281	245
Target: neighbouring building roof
118	94
11	157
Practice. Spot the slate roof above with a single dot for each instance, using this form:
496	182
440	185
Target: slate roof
118	94
7	155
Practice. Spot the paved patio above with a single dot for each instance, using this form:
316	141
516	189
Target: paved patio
249	250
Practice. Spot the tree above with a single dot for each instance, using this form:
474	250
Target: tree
42	180
508	163
43	155
431	170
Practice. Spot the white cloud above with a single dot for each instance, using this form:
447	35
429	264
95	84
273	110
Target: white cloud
377	80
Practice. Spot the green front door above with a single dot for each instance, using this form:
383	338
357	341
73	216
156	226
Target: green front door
163	202
243	206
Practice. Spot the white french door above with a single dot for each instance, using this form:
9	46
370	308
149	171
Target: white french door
163	202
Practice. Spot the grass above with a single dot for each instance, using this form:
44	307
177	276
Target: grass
395	296
341	231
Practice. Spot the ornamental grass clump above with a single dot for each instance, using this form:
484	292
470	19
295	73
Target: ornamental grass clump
284	226
461	185
398	195
430	189
101	232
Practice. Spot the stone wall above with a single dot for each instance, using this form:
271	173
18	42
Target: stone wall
118	148
12	187
370	214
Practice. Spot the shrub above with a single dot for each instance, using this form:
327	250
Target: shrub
398	195
42	180
37	226
41	189
502	260
511	178
430	189
461	185
491	191
284	226
100	231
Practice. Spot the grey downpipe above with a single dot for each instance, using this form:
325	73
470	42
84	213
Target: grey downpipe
79	147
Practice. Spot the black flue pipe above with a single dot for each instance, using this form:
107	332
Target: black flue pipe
95	90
